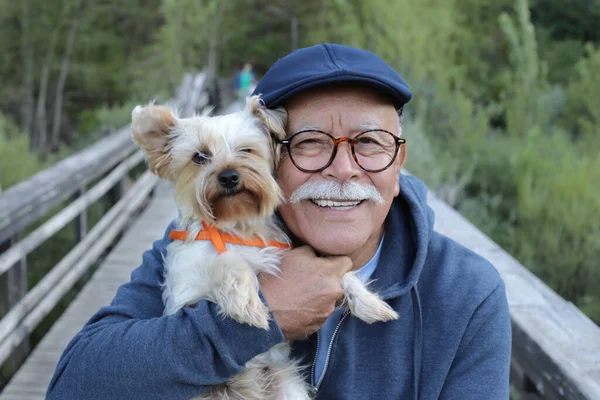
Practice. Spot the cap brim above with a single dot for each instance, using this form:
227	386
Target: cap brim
398	99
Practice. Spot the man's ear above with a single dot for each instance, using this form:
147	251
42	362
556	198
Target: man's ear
402	153
398	164
152	129
273	120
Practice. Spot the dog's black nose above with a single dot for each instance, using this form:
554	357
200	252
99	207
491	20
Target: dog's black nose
229	178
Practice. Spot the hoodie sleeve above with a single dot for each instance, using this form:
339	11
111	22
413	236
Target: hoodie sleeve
129	350
482	364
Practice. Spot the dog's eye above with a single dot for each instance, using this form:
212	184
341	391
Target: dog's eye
246	150
200	158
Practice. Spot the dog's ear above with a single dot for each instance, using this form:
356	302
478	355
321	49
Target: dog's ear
152	129
273	121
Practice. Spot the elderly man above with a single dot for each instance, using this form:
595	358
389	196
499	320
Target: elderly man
452	340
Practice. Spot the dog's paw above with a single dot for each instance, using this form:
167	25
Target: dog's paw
254	313
236	291
370	309
364	304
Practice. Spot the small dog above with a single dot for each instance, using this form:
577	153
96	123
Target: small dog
222	171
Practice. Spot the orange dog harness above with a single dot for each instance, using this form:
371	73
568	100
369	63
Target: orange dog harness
219	239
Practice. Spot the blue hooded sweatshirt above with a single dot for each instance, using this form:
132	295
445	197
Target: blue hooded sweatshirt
452	340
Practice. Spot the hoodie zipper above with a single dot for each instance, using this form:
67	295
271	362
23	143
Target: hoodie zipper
312	372
337	328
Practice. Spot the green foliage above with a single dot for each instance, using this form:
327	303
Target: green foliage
561	55
503	155
525	81
180	45
583	94
563	32
8	127
16	162
490	195
577	19
557	229
95	122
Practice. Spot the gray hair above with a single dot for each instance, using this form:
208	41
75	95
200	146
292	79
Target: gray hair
400	118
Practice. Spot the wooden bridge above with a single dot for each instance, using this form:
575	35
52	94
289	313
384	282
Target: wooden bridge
556	349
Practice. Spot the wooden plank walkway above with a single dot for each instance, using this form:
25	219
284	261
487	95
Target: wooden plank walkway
32	379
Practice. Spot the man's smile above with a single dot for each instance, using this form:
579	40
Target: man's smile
338	205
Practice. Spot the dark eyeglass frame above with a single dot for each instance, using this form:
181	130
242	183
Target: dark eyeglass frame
397	141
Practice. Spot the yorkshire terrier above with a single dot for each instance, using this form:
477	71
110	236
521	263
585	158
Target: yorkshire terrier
226	234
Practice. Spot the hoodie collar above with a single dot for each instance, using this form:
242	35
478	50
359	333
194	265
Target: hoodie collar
408	229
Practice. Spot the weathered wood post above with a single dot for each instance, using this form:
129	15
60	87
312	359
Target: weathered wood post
14	286
118	191
81	222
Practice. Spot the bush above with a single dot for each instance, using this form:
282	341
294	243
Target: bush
16	162
492	191
582	113
96	122
557	227
521	167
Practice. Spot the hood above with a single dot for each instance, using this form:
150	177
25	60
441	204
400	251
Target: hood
408	230
409	226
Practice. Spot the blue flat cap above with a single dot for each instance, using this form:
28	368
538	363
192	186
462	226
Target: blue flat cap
327	63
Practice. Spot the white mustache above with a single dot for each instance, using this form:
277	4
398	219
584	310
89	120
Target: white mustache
332	190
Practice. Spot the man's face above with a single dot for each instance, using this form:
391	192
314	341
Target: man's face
341	112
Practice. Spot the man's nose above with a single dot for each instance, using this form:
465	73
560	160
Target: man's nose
343	167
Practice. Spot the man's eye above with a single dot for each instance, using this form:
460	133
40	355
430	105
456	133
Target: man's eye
246	150
366	140
200	158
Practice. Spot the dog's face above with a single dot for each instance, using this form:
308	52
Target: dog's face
222	166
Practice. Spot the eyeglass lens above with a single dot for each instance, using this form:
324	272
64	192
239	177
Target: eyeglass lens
373	150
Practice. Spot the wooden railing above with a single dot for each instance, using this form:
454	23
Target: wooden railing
555	347
106	164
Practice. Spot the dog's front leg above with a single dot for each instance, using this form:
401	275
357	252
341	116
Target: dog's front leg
363	303
236	290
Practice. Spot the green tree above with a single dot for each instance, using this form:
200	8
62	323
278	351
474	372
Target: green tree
582	114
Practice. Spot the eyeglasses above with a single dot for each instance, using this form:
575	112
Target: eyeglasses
313	151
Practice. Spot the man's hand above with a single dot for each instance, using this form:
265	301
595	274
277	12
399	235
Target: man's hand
304	295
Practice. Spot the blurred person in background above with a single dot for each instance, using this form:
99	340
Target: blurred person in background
245	82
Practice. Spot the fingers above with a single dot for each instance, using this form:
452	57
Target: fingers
305	250
307	292
340	264
330	266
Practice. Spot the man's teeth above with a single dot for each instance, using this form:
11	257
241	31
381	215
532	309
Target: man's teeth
340	205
